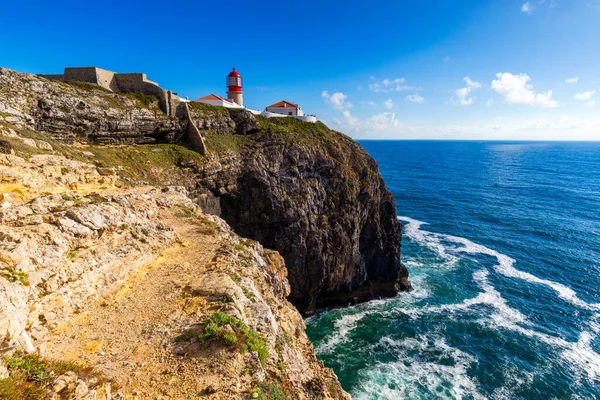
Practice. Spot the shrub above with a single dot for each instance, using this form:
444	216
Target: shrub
13	275
246	338
30	376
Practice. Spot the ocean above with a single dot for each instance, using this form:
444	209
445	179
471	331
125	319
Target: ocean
502	243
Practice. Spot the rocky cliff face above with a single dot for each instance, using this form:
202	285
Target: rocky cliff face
308	192
136	282
321	203
80	111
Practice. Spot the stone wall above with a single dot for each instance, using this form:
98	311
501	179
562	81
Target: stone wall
121	83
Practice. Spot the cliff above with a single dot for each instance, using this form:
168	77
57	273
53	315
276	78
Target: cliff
130	291
302	189
147	262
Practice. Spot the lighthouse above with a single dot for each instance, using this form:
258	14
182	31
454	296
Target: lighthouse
234	86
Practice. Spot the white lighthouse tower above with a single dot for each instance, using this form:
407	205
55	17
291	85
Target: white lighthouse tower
234	86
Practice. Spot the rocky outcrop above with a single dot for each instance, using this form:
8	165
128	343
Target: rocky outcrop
323	205
84	112
311	193
129	280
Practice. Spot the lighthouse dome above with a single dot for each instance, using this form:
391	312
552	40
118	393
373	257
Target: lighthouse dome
233	74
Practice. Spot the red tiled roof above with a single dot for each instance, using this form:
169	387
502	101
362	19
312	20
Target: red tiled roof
283	104
210	97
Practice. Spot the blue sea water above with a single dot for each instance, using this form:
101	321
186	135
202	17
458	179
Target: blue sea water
502	242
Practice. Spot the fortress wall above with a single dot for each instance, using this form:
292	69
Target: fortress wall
137	82
53	77
106	79
81	74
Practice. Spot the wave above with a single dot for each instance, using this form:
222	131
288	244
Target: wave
408	379
580	355
435	241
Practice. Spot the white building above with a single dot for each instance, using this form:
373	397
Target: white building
215	100
285	108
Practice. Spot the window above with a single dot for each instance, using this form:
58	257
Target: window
290	113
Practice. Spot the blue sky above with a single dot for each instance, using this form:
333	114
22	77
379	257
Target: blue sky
494	69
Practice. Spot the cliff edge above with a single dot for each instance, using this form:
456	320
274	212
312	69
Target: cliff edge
115	231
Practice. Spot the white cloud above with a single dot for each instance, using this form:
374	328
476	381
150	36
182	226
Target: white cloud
389	104
527	8
517	90
336	100
587	97
489	102
472	84
378	124
575	79
389	85
415	98
462	95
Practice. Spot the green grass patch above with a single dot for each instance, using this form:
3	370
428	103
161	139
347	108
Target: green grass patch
31	376
226	299
185	212
71	255
146	99
247	338
216	143
13	275
85	86
267	391
207	109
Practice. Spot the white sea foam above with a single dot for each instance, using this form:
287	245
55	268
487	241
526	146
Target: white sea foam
407	378
580	355
505	266
343	326
490	296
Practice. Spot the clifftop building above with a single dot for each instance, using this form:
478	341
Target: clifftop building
121	83
285	108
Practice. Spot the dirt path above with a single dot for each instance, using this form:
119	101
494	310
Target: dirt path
129	337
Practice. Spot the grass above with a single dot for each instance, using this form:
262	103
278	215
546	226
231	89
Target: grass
31	376
267	391
146	99
13	275
220	143
72	254
249	295
246	339
208	109
85	86
226	299
185	212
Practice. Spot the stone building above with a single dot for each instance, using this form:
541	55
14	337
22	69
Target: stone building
121	83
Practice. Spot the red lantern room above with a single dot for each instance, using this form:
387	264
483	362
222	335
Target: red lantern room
234	81
234	86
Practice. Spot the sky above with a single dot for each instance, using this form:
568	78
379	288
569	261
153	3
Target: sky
386	69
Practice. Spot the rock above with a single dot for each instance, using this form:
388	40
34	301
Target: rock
75	228
6	147
25	343
81	390
63	381
245	122
210	389
106	171
29	142
324	207
118	396
69	112
40	144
